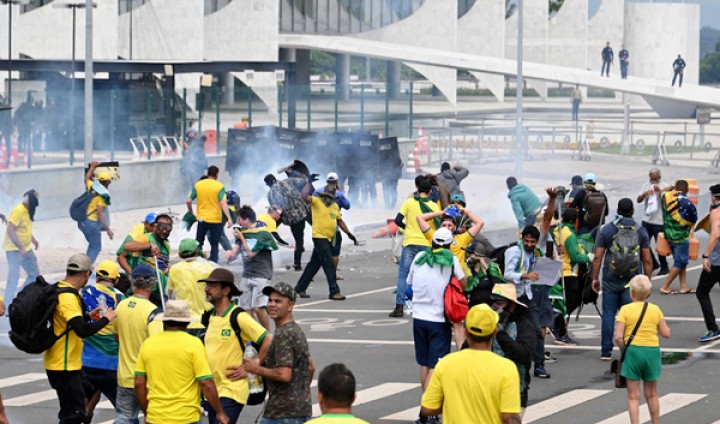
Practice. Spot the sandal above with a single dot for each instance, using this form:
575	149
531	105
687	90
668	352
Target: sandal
690	291
669	292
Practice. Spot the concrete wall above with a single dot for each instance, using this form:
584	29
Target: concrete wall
567	35
606	25
535	33
243	28
481	31
656	33
142	184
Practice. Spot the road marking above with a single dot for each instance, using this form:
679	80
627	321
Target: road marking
113	420
375	393
350	296
410	414
663	277
32	398
706	347
22	379
561	402
678	319
668	403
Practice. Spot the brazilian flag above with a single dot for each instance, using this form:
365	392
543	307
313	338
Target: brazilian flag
259	238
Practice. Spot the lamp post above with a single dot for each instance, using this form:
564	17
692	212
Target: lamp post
9	4
130	10
519	94
74	7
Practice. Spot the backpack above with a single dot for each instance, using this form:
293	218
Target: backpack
31	316
78	207
594	205
498	255
254	398
456	304
625	252
588	295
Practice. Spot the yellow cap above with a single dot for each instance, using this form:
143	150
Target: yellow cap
481	320
104	176
108	268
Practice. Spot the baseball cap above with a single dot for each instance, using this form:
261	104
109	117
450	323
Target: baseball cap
457	197
150	218
576	180
224	277
188	246
590	178
108	268
332	177
481	320
283	289
79	262
143	270
104	176
442	237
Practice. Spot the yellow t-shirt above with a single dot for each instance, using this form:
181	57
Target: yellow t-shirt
66	353
337	419
458	246
93	205
410	209
223	350
324	218
133	325
568	269
647	334
20	216
209	193
183	281
173	362
269	221
474	386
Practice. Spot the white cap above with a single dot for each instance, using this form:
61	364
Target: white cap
332	177
442	237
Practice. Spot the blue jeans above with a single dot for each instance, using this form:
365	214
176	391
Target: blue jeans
127	407
294	420
214	232
93	234
15	261
232	410
612	301
406	259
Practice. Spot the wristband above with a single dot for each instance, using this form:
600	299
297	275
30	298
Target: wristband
705	257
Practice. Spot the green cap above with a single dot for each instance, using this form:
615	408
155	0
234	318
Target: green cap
188	246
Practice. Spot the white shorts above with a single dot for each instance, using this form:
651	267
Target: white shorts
252	296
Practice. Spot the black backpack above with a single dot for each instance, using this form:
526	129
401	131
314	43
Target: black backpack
594	206
31	316
498	255
78	207
254	398
625	252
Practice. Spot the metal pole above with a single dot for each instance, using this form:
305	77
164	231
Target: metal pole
148	121
112	124
184	115
307	118
280	106
387	107
72	93
626	125
9	90
519	93
89	79
410	112
217	120
249	107
336	104
130	2
362	106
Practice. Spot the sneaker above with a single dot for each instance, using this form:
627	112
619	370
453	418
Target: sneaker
337	296
554	333
397	312
433	419
568	341
709	336
549	359
297	268
606	357
540	372
663	271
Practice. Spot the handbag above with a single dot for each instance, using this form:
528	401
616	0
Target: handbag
456	303
616	365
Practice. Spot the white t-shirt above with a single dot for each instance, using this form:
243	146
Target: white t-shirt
656	217
428	284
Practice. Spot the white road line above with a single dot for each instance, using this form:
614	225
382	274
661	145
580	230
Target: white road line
561	402
668	403
678	319
706	347
32	398
22	379
106	404
374	393
663	277
113	420
410	414
350	296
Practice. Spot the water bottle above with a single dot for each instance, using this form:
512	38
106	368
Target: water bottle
102	303
255	383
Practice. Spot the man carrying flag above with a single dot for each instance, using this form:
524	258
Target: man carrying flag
257	244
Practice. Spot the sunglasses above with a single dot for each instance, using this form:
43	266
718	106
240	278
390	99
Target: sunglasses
164	226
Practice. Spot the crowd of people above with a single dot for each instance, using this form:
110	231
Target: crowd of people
147	313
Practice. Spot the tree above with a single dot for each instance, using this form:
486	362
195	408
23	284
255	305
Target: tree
710	67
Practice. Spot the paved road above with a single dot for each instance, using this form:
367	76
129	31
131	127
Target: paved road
379	350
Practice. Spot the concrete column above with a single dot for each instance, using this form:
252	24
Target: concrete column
302	71
287	55
394	78
342	76
228	84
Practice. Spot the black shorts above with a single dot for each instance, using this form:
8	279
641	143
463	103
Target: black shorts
72	389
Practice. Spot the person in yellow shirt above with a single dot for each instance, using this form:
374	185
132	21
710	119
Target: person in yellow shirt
475	385
183	278
336	394
211	205
641	359
172	370
271	219
224	354
19	240
325	216
414	240
135	323
63	360
127	260
96	220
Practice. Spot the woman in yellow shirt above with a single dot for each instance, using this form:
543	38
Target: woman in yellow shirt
642	359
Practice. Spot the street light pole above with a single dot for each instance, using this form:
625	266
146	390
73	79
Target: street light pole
89	80
130	3
519	94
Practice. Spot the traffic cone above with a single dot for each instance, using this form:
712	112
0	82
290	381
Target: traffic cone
389	230
3	153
